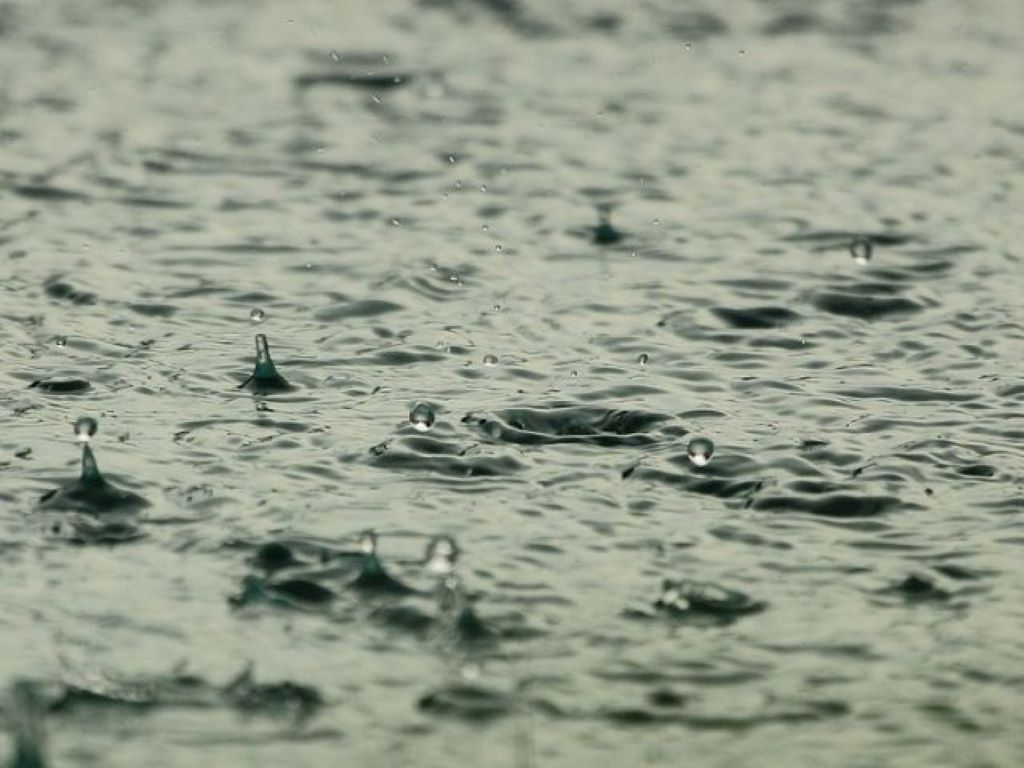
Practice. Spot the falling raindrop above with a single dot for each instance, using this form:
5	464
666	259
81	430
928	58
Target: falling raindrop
861	249
368	543
442	552
700	450
85	428
257	316
422	417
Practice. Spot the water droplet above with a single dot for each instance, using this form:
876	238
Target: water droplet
422	417
335	56
642	359
499	247
700	450
484	227
61	341
861	249
368	543
442	552
85	428
451	159
458	184
257	316
396	223
262	407
574	373
483	187
656	222
490	360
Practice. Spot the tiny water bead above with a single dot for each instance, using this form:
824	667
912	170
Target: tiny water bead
257	316
422	417
60	341
490	360
861	249
442	553
700	450
642	359
368	543
85	428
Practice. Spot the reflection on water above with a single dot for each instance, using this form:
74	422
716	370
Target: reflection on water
645	382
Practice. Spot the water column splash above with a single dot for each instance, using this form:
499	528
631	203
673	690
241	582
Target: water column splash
25	714
463	624
265	377
91	492
373	578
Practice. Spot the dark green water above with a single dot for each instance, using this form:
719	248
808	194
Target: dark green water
411	195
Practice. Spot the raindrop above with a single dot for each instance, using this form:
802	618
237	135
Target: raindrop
422	417
642	359
451	159
499	247
483	187
861	249
700	450
490	360
85	428
396	223
257	316
442	552
335	56
61	341
368	543
262	407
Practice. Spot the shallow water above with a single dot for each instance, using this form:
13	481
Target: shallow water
412	196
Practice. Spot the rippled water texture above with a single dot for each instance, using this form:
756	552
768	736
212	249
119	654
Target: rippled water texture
511	258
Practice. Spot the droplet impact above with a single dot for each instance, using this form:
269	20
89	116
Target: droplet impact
700	450
85	428
490	360
264	377
861	249
642	359
257	316
442	552
422	417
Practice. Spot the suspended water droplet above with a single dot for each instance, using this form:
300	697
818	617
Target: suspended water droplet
861	249
700	450
442	552
642	359
257	316
61	341
490	360
85	428
422	417
368	543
